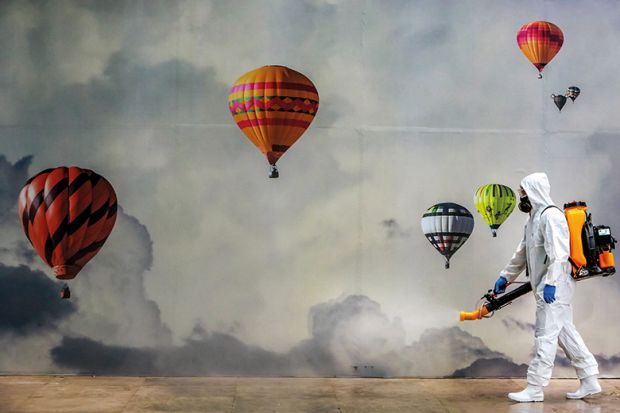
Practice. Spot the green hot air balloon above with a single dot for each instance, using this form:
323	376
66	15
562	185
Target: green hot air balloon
495	203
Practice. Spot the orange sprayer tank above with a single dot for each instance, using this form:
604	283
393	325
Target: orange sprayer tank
590	246
576	217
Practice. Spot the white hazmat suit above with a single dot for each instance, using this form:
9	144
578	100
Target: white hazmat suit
544	251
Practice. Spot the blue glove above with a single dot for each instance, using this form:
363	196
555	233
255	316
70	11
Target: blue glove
549	293
500	285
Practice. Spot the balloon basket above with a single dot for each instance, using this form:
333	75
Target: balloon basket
65	293
274	173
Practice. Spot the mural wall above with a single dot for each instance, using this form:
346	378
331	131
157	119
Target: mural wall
212	267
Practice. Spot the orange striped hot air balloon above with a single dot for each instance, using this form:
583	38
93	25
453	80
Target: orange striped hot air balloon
540	41
67	214
273	106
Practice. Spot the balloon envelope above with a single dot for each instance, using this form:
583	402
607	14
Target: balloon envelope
67	214
572	92
273	106
447	226
540	41
495	203
559	101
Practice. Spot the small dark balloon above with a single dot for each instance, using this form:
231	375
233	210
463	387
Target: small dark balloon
559	101
572	92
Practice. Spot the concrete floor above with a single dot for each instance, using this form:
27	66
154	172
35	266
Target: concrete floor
66	394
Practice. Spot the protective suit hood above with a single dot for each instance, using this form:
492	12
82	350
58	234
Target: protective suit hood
538	190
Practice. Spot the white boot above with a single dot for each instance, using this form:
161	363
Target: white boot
529	394
589	386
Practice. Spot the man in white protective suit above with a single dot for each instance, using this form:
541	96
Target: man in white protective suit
544	252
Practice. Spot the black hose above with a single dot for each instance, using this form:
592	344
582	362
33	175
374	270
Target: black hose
507	298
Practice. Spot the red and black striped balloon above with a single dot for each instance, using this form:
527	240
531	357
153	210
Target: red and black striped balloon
67	214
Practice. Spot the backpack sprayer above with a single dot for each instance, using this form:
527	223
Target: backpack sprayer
590	256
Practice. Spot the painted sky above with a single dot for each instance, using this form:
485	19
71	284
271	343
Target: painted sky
421	102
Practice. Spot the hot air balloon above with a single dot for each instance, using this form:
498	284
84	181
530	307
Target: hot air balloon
540	41
559	101
273	106
572	92
495	203
447	226
67	214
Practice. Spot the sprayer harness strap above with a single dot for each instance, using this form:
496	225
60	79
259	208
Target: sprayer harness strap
569	258
550	206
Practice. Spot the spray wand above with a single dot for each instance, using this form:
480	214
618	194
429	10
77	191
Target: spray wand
492	302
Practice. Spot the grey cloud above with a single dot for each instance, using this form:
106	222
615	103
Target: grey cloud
394	230
30	302
23	250
151	8
84	355
608	365
15	249
130	89
346	332
493	367
223	354
439	351
434	36
114	306
202	354
89	31
131	92
12	179
512	323
349	336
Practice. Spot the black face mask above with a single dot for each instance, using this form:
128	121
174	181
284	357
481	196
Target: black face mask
525	205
